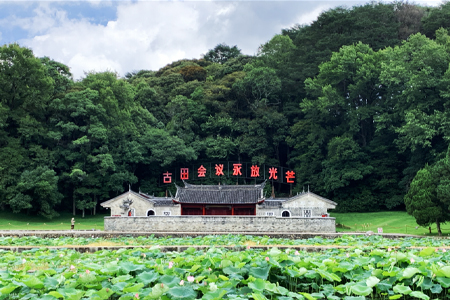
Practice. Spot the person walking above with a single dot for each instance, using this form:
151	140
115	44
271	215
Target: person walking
72	224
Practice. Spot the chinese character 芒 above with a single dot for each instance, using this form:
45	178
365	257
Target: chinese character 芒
237	169
184	173
201	171
219	169
273	173
289	176
167	177
255	171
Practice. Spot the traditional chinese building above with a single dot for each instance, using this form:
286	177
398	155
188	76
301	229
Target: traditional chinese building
223	200
221	209
226	200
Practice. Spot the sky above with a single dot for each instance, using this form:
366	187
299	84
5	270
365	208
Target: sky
126	36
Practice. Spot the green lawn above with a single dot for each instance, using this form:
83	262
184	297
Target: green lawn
390	221
10	221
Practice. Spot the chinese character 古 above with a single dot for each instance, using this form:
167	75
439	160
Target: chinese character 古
167	177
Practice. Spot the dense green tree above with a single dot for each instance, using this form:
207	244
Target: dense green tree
222	53
427	198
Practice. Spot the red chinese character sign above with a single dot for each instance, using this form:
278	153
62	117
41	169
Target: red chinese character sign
273	173
290	176
201	171
254	171
167	177
237	169
184	173
219	170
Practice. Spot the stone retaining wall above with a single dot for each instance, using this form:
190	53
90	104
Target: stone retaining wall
220	224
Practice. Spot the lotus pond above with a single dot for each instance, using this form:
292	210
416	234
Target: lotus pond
227	240
372	268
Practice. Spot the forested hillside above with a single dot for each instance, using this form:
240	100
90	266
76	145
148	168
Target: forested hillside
356	103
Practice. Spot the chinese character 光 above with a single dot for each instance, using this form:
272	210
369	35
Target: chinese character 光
273	173
184	173
237	169
201	171
289	176
255	171
219	169
167	177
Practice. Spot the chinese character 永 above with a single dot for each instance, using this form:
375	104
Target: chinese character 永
237	169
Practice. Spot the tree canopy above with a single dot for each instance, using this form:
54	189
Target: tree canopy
356	103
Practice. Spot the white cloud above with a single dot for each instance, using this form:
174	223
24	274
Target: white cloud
151	34
310	16
45	17
146	35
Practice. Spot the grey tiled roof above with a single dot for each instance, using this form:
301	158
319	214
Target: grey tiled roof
158	201
273	203
220	194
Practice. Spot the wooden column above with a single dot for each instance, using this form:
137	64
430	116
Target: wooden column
232	210
204	212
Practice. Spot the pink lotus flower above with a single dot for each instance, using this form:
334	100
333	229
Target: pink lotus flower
136	296
182	282
162	285
170	265
296	253
87	271
443	250
209	269
267	258
72	267
436	250
248	247
389	249
191	278
348	255
24	260
412	260
61	255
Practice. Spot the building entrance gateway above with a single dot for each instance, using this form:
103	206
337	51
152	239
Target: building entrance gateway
219	208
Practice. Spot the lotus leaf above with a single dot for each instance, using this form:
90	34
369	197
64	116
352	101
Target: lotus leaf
257	285
401	289
419	295
260	272
147	277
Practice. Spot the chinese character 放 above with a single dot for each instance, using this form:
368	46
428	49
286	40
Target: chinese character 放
255	171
